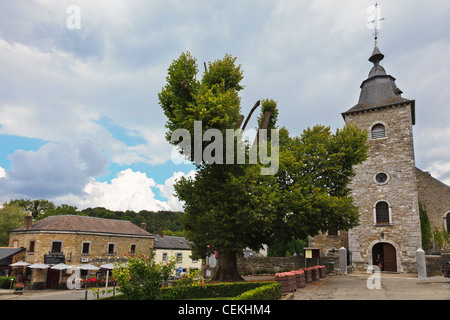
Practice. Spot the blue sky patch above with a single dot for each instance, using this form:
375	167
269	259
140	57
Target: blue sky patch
130	137
10	143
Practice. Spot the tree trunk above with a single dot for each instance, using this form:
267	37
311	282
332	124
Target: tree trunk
226	270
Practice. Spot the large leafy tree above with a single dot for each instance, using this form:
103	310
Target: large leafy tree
232	206
11	217
35	207
315	170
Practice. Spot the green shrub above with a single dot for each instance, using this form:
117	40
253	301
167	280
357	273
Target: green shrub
142	277
224	290
5	282
270	291
234	291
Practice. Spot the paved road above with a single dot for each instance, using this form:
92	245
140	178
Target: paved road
333	287
48	295
389	287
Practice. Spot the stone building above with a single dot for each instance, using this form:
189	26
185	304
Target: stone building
167	247
387	187
76	240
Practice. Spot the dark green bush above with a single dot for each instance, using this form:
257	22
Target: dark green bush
5	282
271	291
209	291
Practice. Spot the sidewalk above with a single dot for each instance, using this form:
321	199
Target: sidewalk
356	286
48	294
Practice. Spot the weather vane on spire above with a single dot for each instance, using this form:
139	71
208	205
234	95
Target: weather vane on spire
373	22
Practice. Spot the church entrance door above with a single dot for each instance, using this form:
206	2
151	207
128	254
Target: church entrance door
387	254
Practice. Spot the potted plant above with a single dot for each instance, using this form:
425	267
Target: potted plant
300	278
18	288
322	271
308	274
287	280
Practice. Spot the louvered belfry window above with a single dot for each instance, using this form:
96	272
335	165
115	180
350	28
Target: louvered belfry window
378	131
382	212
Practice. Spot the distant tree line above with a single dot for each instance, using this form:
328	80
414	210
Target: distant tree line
167	222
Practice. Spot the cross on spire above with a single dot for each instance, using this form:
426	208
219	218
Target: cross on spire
376	21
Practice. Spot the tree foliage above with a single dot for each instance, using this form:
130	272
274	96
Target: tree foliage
35	207
230	207
156	221
11	217
142	278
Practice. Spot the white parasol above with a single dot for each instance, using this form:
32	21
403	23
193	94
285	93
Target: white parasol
39	266
88	267
20	264
61	266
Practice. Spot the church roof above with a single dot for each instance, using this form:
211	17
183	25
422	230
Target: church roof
379	89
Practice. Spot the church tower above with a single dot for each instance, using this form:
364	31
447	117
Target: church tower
385	188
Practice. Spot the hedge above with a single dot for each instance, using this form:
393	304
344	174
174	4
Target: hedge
270	291
223	290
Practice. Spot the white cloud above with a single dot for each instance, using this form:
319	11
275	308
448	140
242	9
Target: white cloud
2	173
130	190
53	170
56	84
167	190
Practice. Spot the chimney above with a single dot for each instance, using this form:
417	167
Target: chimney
144	226
161	234
28	222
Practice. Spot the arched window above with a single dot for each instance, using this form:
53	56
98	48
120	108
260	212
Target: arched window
378	131
382	213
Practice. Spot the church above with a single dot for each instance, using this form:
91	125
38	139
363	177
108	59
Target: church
387	187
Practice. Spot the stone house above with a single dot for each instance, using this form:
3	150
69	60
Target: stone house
167	247
387	187
76	240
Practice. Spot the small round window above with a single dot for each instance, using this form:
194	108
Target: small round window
381	178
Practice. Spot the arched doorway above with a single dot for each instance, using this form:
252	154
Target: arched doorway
388	256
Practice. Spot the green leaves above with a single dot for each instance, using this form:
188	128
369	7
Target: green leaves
232	206
141	279
315	170
214	100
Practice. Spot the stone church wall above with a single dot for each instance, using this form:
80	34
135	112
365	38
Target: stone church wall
393	155
435	197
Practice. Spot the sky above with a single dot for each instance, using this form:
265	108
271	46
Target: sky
80	122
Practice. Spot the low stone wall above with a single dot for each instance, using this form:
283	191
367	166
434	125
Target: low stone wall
435	263
256	265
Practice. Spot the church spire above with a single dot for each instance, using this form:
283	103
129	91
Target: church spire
379	89
376	56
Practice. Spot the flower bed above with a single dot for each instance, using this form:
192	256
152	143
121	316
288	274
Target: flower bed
267	290
300	278
294	279
308	275
287	280
322	272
